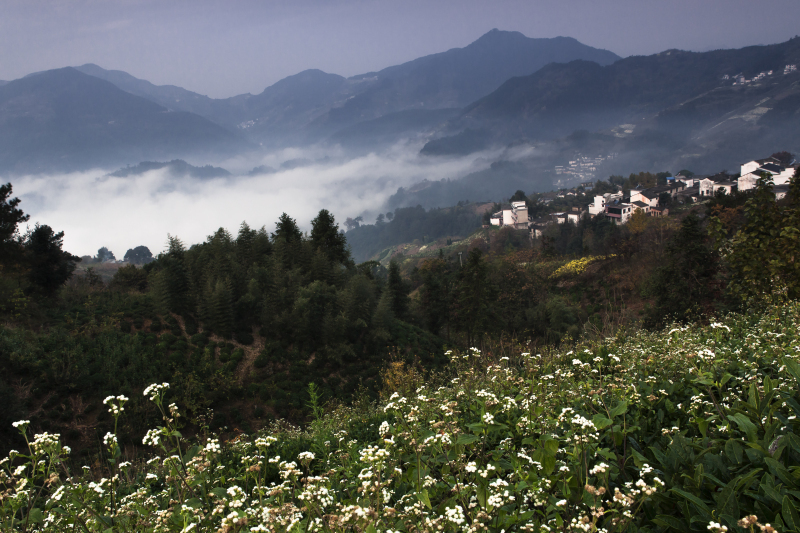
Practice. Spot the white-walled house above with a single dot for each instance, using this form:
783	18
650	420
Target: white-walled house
780	176
647	196
752	166
575	215
600	202
641	205
620	212
599	205
710	185
516	217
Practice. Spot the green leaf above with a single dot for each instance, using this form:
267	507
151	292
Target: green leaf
733	451
621	408
36	515
667	522
702	425
700	504
371	528
745	425
481	494
466	438
423	498
727	501
551	446
793	368
194	503
601	421
548	464
789	514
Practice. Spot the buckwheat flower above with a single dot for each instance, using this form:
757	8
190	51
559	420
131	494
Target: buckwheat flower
305	456
561	503
152	438
599	469
714	527
110	439
21	424
471	467
455	515
384	428
488	418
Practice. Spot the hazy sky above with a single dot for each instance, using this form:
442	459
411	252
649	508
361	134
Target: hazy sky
232	47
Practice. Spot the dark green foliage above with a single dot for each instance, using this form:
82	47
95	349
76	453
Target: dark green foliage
10	217
398	292
140	255
49	266
410	224
473	296
763	256
103	255
129	278
682	285
171	282
436	294
325	236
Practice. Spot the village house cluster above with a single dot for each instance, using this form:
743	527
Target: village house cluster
582	167
620	206
739	79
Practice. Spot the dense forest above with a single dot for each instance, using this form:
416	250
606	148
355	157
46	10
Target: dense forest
407	224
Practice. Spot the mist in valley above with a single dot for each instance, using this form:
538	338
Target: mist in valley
96	209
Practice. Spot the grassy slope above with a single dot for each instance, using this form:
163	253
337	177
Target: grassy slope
639	432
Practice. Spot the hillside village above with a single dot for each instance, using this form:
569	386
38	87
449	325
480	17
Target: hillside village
620	205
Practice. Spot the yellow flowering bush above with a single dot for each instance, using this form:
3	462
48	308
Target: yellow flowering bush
578	266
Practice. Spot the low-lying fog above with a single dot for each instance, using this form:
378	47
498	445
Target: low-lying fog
94	209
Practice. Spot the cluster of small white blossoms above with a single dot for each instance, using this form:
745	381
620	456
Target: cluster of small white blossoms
155	390
265	442
455	515
49	443
599	468
316	492
152	438
115	404
304	457
110	440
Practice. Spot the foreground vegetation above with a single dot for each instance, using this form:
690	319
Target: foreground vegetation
692	428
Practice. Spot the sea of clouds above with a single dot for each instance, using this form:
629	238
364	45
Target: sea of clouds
94	209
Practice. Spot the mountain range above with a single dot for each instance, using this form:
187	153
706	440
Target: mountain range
505	89
705	108
66	120
140	120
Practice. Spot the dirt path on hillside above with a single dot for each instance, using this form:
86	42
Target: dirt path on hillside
251	352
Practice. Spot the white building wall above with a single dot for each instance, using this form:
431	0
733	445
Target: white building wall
598	206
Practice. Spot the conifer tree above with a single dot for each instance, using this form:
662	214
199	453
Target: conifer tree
398	292
222	308
473	296
325	236
172	286
49	267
